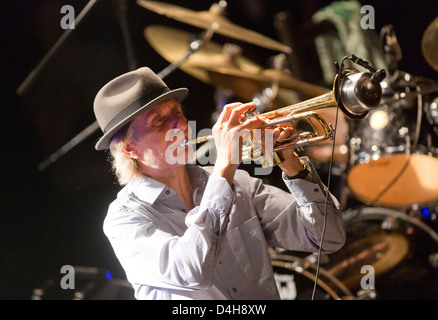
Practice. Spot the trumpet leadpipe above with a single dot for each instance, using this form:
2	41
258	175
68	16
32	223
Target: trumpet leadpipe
197	140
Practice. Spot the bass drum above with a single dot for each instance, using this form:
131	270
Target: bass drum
295	279
393	155
388	251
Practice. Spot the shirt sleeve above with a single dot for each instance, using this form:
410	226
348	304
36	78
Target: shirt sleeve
295	220
153	255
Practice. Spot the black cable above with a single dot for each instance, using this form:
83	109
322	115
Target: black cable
337	93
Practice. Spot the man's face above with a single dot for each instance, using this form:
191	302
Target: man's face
161	128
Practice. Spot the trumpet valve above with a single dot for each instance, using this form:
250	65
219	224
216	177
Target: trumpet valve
271	159
251	113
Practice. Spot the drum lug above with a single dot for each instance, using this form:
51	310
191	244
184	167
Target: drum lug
390	224
366	294
433	260
313	259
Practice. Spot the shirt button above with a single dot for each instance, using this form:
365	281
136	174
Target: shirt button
167	192
316	190
234	290
184	210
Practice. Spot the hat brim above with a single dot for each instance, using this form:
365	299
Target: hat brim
177	94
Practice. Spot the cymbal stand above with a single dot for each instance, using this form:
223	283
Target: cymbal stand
194	45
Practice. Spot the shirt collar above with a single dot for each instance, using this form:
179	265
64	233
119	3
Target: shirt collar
149	190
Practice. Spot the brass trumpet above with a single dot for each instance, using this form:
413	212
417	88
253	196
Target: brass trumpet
356	93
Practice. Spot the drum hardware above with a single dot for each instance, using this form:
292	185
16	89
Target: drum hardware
366	294
391	47
432	111
215	15
433	260
390	224
194	44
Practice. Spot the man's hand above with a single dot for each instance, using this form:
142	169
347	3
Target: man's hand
228	133
291	164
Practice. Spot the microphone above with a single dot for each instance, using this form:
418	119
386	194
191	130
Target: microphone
361	92
378	76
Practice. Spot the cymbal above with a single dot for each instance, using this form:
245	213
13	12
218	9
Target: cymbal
213	64
233	78
205	20
172	45
429	44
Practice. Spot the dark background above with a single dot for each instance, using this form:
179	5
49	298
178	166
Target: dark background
53	218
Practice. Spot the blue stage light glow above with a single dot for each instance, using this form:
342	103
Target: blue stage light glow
425	212
108	275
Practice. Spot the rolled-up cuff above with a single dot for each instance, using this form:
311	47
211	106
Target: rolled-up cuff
305	191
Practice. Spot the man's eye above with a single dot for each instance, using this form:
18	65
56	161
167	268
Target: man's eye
157	122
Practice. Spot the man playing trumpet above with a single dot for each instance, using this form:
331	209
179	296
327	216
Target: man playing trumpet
181	231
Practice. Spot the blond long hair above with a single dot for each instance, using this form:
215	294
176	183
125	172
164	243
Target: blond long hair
125	168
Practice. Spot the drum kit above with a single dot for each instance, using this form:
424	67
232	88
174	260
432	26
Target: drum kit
388	160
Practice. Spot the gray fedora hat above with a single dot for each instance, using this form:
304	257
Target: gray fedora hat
125	97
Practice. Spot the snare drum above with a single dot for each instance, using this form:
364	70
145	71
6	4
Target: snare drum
383	167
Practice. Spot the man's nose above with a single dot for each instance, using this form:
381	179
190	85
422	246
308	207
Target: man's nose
179	122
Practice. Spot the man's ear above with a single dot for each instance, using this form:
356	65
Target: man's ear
129	151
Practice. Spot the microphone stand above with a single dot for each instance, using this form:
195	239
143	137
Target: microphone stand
194	46
35	72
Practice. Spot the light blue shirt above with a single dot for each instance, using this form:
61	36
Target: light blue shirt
219	249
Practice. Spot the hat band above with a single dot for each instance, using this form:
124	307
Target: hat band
133	107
